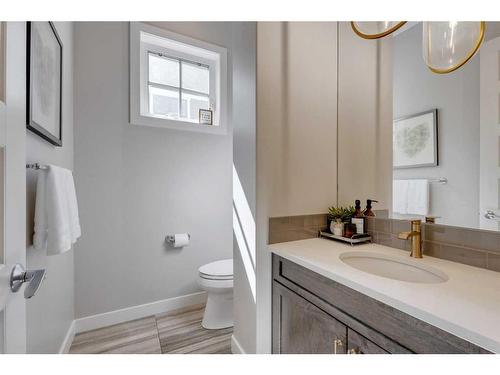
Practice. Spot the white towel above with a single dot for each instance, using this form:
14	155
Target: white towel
400	196
57	226
410	197
418	197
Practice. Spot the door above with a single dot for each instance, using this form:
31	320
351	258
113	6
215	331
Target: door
299	327
489	186
12	182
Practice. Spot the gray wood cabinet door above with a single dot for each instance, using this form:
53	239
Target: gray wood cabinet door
299	327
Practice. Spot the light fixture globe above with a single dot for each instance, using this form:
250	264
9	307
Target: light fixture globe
449	45
375	29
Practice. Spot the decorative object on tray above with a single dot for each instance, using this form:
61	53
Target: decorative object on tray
415	142
354	239
44	82
206	116
338	217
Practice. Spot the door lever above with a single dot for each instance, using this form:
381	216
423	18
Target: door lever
19	276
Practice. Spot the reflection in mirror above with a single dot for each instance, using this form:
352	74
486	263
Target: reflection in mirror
446	134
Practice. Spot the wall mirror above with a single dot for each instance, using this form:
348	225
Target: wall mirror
446	134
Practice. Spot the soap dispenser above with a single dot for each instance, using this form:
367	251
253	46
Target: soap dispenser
368	211
358	218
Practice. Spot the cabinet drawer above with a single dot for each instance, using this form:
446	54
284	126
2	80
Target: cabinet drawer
358	344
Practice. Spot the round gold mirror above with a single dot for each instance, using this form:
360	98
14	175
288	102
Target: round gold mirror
375	29
449	45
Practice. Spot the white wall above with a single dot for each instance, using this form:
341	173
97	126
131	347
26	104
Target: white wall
138	184
317	84
51	311
364	119
296	135
15	184
456	96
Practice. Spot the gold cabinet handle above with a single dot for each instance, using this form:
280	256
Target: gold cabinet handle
337	343
354	351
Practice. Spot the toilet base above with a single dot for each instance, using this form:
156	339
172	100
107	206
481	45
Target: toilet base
219	309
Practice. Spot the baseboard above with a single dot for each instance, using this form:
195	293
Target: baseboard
136	312
236	348
68	339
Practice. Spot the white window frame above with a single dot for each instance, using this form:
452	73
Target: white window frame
146	38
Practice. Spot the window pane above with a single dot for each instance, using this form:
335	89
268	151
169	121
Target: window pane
195	77
163	70
164	102
191	105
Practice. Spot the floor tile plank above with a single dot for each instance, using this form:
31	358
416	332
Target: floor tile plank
175	332
137	336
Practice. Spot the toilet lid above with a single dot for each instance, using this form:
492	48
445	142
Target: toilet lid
218	269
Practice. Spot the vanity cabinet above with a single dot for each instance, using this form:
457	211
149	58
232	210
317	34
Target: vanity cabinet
307	329
314	314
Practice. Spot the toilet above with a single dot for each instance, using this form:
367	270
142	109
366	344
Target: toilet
216	279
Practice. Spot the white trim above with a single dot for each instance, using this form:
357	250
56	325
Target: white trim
136	312
236	348
68	339
222	91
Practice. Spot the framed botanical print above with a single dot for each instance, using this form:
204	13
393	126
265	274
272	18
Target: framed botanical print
415	140
44	81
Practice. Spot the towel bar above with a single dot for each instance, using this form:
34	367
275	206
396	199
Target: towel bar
35	166
441	180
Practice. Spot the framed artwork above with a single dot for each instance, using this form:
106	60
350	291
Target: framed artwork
415	140
44	81
206	116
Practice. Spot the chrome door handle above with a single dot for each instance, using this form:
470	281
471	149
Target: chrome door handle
19	276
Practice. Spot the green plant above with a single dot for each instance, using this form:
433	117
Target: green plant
342	213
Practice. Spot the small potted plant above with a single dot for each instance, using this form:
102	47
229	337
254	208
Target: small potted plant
337	217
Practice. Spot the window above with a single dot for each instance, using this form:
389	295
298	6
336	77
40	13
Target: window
172	77
177	88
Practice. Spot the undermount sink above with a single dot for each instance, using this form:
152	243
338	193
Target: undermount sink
393	267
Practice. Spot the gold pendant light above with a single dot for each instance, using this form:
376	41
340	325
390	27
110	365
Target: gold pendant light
449	45
375	29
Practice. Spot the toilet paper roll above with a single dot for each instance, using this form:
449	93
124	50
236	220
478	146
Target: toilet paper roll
181	240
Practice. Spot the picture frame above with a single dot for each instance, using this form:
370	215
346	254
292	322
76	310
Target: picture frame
415	140
205	116
44	65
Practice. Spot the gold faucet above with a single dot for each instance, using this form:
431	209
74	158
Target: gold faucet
416	239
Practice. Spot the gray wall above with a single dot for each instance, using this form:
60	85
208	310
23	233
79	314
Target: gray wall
244	159
51	311
456	96
138	184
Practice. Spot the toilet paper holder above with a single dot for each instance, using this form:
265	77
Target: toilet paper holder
171	239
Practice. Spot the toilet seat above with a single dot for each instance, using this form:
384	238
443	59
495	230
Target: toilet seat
219	270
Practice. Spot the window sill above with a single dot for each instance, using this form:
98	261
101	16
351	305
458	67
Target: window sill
165	123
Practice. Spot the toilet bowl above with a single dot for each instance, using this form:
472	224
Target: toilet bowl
216	279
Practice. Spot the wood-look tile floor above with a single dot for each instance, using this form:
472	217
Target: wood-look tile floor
176	332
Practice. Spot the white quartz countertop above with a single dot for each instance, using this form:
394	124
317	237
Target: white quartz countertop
467	305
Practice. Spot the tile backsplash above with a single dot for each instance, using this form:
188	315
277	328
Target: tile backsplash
293	228
474	247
